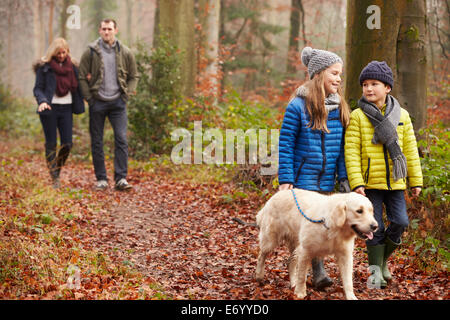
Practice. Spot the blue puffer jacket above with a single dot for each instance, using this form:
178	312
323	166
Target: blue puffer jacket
310	159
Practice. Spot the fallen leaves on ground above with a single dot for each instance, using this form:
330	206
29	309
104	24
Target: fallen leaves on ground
179	237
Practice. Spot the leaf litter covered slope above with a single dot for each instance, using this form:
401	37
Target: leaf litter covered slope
181	238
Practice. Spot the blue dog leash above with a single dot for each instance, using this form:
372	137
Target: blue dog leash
304	215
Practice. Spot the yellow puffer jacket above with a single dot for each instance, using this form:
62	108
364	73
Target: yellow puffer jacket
366	162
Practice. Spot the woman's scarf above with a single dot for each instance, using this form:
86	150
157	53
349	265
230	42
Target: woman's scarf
386	131
65	77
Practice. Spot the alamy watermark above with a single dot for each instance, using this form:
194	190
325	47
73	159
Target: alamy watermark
74	20
374	280
74	279
229	146
374	21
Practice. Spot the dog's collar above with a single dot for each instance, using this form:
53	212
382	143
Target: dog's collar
306	217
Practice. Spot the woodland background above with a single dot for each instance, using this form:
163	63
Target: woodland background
232	65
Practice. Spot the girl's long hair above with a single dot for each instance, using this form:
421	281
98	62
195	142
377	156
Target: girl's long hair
57	44
315	104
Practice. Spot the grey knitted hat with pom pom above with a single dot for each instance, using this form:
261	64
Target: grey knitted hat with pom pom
317	60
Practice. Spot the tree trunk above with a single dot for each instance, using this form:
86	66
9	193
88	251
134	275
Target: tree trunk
63	18
51	9
129	6
209	17
177	18
297	22
398	40
156	25
9	64
37	32
38	29
412	61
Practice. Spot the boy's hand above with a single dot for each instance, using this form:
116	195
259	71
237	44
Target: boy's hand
360	190
416	191
286	186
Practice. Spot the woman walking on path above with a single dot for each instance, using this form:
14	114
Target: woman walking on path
311	147
57	94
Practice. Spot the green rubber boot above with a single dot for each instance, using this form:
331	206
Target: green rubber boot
376	257
390	246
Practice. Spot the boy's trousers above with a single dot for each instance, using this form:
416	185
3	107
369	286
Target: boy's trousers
395	204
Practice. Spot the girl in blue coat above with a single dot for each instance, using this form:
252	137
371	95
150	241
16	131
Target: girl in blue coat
311	145
57	95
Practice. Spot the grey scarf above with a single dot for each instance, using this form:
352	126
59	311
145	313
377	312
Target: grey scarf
386	131
332	102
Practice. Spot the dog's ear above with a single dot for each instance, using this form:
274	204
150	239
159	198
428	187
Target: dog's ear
338	216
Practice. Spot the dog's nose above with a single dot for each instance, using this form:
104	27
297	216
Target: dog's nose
374	226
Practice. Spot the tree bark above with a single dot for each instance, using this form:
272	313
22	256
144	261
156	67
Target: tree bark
51	9
9	63
129	8
177	19
399	41
297	22
209	17
412	61
37	32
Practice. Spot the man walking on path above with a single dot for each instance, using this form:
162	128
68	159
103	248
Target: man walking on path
107	78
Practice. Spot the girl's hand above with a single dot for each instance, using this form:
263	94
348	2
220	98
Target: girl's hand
416	191
43	106
286	186
360	190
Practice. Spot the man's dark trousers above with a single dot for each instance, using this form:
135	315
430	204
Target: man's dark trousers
117	114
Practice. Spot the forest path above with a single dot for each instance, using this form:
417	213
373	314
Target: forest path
183	237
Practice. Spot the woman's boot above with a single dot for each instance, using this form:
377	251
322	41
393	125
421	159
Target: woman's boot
320	278
50	156
63	154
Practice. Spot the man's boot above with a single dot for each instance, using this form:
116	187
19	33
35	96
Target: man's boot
320	278
376	257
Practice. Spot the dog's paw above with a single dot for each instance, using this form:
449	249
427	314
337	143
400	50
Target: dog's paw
301	294
351	296
260	280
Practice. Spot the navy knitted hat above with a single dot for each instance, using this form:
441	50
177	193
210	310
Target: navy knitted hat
377	70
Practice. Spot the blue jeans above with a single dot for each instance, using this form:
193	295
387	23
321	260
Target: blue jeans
117	114
395	204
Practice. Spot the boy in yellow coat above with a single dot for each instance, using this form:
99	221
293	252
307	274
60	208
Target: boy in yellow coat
380	154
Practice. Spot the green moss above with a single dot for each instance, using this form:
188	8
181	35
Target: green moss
412	33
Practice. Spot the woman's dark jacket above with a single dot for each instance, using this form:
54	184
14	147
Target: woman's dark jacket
45	87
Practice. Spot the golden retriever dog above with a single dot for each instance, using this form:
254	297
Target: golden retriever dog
343	216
